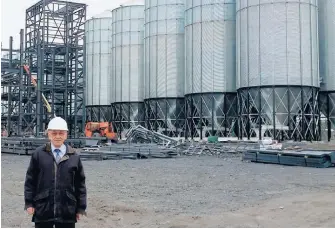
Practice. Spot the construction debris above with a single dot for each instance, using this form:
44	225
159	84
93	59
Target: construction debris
152	150
139	134
128	151
268	143
142	143
216	149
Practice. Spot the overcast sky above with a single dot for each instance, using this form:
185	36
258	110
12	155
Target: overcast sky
13	15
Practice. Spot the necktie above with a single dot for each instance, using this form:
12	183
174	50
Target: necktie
57	151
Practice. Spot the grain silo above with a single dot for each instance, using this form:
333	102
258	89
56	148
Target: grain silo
164	66
327	66
210	88
127	67
277	69
97	70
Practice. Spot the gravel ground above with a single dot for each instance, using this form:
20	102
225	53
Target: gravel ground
188	192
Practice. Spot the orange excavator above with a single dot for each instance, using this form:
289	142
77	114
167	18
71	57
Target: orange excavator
104	129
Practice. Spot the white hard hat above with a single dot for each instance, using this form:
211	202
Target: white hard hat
57	124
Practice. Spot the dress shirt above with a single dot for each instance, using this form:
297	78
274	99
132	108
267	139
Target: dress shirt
62	150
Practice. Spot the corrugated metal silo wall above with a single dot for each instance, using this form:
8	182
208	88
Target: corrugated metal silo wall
277	69
127	67
97	65
327	67
164	66
210	89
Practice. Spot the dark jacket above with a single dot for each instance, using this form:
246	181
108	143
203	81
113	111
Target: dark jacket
56	191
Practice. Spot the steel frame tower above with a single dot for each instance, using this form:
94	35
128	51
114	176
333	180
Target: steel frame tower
11	88
54	42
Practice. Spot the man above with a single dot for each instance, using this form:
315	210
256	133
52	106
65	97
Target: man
54	189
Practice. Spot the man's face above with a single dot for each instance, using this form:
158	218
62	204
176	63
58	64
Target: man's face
57	137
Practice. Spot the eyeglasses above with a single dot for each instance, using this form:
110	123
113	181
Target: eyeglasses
60	133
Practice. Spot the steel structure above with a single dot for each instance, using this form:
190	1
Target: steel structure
327	108
98	38
99	113
327	65
127	67
127	115
164	67
55	53
277	69
11	88
210	90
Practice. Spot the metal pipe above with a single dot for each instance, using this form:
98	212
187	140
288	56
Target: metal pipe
19	130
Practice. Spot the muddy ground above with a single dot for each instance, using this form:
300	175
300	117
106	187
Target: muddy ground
188	192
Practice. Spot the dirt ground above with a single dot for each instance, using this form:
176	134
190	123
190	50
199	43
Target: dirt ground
307	210
188	192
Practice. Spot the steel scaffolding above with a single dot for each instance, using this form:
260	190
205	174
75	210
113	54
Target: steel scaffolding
11	88
55	53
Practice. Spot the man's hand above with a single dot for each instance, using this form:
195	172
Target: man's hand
30	210
78	216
